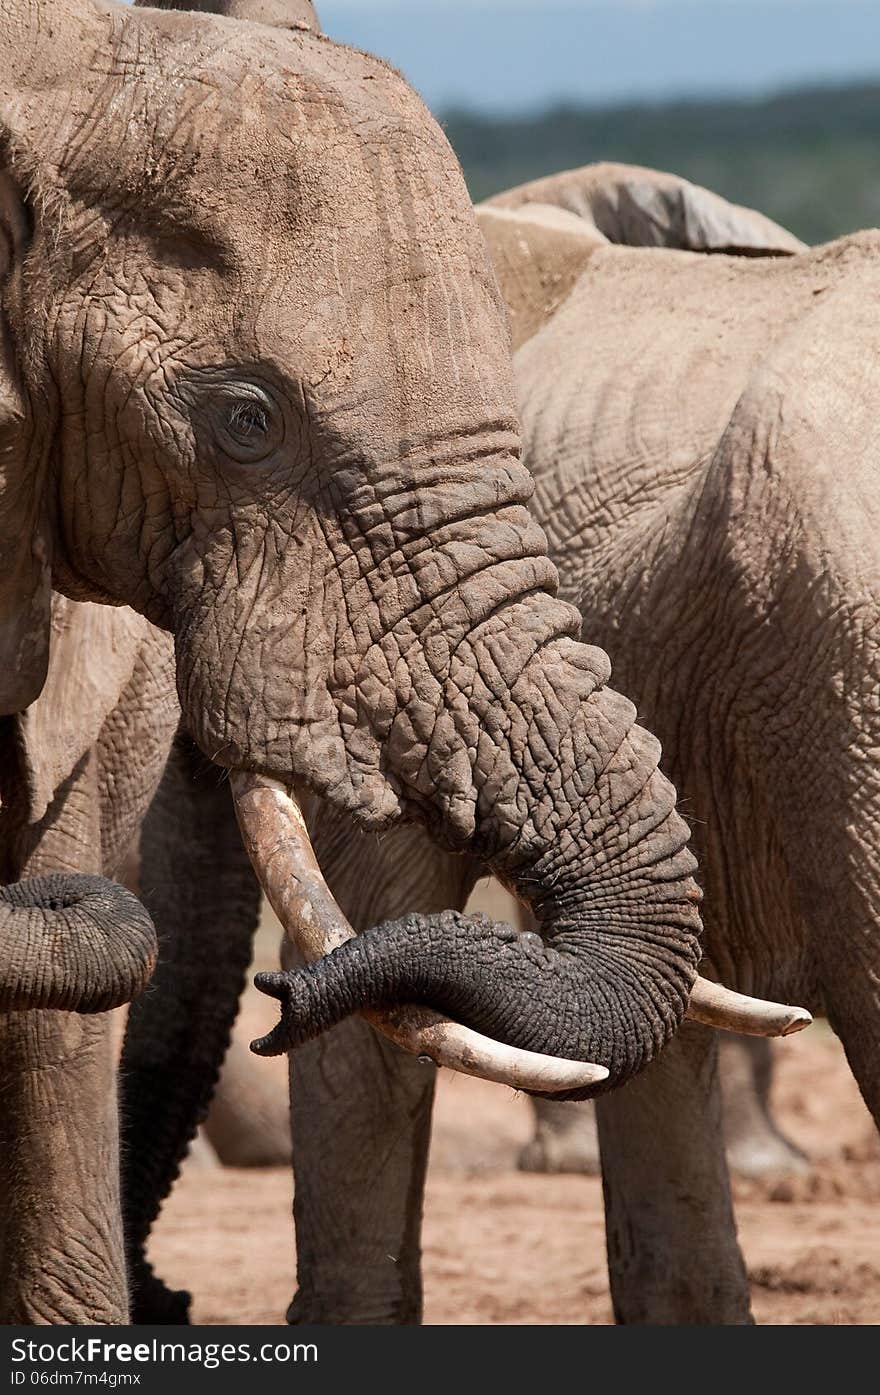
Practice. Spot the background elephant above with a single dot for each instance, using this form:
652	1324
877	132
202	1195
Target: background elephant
565	1137
706	476
79	768
248	1122
630	206
358	1201
273	413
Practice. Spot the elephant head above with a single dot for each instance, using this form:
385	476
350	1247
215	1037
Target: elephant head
255	383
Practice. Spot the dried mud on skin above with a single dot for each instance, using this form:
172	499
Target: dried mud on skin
502	1247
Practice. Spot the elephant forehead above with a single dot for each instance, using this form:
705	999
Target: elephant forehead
253	192
285	122
236	136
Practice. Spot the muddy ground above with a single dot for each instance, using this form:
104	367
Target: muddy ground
502	1247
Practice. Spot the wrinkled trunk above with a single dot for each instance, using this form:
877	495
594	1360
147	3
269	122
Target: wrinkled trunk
62	1258
530	762
80	943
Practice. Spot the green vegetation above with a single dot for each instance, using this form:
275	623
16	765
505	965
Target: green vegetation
809	158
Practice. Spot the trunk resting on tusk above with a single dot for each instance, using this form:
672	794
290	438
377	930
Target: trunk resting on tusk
276	838
277	841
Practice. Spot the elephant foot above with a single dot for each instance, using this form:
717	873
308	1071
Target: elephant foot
201	1156
366	1308
755	1146
764	1152
153	1303
565	1139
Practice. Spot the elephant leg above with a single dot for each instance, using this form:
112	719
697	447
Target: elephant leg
565	1138
361	1119
62	1258
852	996
755	1144
361	1108
197	883
673	1255
248	1124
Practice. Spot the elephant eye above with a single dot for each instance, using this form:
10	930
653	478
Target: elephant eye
251	426
247	420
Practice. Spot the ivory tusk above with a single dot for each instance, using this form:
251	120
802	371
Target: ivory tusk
277	841
720	1007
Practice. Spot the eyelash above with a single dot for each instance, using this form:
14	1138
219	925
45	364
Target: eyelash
249	418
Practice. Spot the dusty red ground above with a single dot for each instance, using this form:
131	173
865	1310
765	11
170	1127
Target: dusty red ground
501	1247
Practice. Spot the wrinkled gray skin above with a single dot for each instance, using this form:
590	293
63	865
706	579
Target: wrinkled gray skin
707	477
77	771
255	384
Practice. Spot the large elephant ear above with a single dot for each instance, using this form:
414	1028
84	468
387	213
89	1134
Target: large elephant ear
637	207
284	14
25	573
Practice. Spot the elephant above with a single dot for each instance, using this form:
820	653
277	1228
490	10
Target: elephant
248	1122
255	385
681	457
705	477
79	767
320	498
377	650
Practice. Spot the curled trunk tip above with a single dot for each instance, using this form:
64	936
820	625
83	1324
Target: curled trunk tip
73	943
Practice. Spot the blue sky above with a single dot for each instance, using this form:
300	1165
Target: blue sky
522	54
